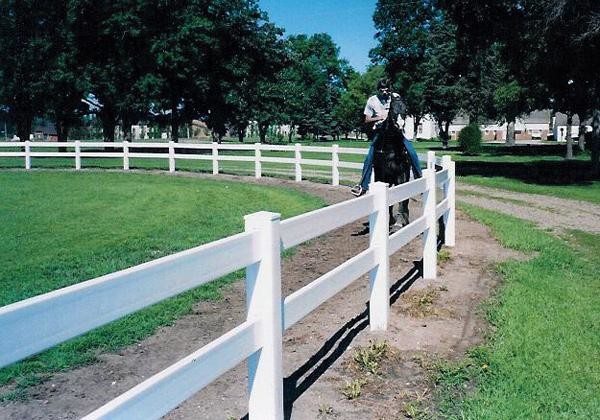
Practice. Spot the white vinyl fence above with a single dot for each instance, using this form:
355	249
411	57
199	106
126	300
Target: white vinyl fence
79	151
33	325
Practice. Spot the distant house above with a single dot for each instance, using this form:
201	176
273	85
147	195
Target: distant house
426	129
457	124
536	125
43	131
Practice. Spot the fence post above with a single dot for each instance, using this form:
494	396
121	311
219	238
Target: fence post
215	158
430	159
125	155
77	155
171	156
430	234
335	161
450	195
27	154
298	163
257	162
379	297
263	300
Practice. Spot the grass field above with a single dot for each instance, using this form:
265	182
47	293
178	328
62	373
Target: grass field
542	359
588	192
60	228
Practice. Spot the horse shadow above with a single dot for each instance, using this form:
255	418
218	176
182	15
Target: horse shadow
335	346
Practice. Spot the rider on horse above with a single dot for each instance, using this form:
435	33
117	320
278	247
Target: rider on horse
376	111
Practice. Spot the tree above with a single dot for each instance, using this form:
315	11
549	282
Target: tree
563	40
314	83
63	80
442	92
24	48
112	41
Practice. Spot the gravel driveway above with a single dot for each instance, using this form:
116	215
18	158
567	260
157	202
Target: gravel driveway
557	214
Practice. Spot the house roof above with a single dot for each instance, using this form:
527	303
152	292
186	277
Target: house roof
45	127
538	117
561	119
460	120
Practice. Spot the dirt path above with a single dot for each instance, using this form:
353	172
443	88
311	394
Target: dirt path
428	319
554	213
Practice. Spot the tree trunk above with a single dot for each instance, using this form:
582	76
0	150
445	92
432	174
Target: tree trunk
241	130
62	132
23	123
174	128
569	139
510	133
582	130
446	138
596	142
127	123
109	122
262	131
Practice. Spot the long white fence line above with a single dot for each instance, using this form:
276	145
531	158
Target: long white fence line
33	325
174	152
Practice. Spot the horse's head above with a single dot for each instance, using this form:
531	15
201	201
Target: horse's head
397	109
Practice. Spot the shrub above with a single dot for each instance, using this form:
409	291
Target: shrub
469	139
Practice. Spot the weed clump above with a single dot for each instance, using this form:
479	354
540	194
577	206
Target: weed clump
369	359
353	388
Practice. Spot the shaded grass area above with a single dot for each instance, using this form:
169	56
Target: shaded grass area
542	359
585	192
60	228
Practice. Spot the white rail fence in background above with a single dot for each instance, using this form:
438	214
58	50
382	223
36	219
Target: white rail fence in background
33	325
173	152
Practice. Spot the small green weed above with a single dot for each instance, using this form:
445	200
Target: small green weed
415	410
369	359
353	388
444	256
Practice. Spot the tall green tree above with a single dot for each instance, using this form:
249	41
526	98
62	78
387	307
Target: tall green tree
25	50
314	83
442	88
63	80
111	39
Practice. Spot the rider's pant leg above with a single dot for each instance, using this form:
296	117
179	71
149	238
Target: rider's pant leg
368	166
414	159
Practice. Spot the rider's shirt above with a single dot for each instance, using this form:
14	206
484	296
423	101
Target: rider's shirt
379	106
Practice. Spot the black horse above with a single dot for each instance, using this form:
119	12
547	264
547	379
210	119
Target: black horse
391	161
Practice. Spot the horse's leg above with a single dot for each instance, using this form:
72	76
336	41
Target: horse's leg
403	177
392	218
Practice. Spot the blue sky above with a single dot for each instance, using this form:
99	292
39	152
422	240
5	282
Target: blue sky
349	22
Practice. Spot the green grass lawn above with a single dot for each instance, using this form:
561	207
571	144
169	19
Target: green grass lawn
61	228
586	192
542	359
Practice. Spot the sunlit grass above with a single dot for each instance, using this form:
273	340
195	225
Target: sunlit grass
543	357
61	228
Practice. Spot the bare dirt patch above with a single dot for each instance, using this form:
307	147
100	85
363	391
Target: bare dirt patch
319	350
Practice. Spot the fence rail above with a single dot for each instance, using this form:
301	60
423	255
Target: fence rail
173	152
35	324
